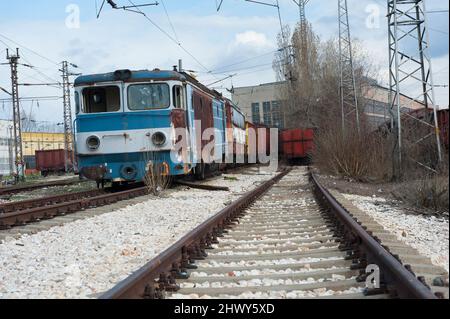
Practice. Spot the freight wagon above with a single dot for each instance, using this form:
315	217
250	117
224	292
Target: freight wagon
51	161
296	145
443	126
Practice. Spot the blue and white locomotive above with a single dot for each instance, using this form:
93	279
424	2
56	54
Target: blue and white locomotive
123	116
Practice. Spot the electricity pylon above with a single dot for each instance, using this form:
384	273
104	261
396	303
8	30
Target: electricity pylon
411	71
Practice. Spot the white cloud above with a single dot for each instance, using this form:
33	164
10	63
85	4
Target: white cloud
252	38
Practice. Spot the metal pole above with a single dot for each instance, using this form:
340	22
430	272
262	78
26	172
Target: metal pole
433	93
13	61
410	64
349	96
68	147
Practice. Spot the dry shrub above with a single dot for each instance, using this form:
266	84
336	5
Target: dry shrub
157	177
427	190
362	157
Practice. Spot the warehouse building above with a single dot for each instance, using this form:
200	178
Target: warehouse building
31	142
261	104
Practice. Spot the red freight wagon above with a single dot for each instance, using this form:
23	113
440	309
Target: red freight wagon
443	126
297	143
51	161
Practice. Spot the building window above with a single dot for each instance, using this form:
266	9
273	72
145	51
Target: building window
277	116
255	113
267	113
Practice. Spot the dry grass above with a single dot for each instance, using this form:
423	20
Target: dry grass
428	191
362	157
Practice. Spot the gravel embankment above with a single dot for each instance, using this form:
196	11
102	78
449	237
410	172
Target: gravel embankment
428	234
87	257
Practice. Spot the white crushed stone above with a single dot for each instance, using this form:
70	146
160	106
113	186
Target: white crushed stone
428	234
90	256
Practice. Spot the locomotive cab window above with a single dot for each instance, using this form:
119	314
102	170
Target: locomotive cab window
77	102
101	99
143	97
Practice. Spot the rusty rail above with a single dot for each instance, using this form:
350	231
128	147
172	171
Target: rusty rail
38	213
203	186
23	188
401	282
173	263
48	200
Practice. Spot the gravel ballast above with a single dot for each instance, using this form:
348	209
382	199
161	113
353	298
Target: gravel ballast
428	234
84	258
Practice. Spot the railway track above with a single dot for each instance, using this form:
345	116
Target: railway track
288	238
23	188
31	211
20	213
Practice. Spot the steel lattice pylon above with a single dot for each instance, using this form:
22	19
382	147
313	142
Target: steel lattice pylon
348	93
303	27
68	144
411	72
17	126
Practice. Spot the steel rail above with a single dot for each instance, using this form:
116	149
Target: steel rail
48	200
203	186
172	263
35	214
23	188
403	282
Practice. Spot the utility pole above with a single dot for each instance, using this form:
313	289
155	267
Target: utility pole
11	149
68	139
303	27
410	66
348	92
13	62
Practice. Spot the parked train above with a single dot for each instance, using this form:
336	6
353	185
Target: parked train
125	119
47	162
297	145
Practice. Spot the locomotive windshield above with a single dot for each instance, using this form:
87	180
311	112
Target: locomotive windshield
148	96
101	99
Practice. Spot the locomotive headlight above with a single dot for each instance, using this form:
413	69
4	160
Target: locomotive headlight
93	142
159	139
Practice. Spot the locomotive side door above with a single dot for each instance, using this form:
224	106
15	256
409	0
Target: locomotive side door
191	131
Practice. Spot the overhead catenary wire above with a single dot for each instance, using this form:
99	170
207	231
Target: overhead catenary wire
28	49
170	37
244	61
170	21
245	68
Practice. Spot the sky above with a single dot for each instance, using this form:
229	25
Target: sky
240	39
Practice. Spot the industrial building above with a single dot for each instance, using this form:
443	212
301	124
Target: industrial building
6	151
38	141
31	141
262	105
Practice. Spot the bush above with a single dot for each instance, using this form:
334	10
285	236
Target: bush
363	157
428	191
